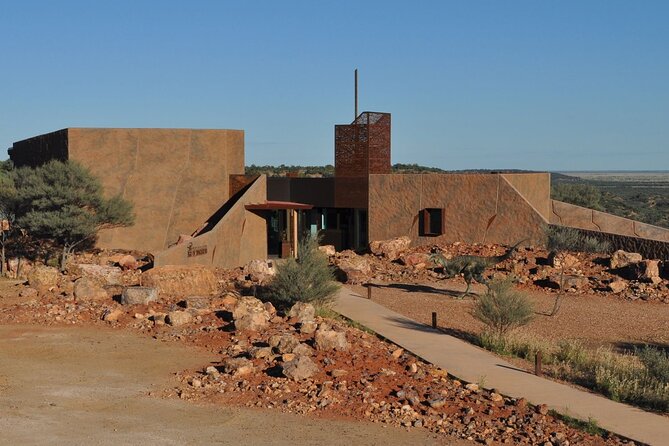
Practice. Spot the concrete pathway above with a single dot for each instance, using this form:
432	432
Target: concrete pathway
473	364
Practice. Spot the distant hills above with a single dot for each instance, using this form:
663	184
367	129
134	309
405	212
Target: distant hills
327	170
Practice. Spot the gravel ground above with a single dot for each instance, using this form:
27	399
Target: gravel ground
594	319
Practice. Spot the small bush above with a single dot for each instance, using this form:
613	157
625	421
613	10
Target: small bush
502	308
561	238
656	362
493	343
595	245
571	352
307	279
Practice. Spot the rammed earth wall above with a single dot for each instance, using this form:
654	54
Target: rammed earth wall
478	208
176	178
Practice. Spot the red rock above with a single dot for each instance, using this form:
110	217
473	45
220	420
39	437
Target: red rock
181	280
128	263
390	249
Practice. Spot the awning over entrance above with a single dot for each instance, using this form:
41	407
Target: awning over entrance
275	205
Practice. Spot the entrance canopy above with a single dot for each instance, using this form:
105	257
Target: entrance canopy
276	205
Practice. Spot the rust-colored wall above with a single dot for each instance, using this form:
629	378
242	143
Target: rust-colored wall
566	214
478	208
176	178
240	236
363	147
535	188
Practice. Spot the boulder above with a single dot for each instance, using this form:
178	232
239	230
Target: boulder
303	349
89	290
647	271
103	275
328	250
308	327
196	302
356	268
261	352
568	281
250	314
300	368
128	263
43	277
178	318
390	249
617	286
562	260
228	301
302	312
418	260
284	343
175	280
112	315
260	271
326	339
138	295
621	259
238	366
269	308
158	318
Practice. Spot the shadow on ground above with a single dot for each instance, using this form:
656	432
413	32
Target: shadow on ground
417	288
413	325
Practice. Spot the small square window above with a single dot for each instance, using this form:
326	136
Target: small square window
431	222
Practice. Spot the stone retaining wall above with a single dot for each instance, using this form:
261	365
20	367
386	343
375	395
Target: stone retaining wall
649	249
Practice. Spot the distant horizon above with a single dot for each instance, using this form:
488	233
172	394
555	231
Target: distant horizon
611	171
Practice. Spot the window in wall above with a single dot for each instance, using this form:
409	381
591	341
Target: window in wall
431	222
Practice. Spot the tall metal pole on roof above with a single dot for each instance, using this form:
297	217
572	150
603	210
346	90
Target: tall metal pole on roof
356	95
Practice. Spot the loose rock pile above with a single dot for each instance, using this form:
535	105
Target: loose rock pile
299	362
339	370
626	275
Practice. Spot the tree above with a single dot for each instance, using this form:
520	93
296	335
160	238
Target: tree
62	203
307	279
7	217
502	308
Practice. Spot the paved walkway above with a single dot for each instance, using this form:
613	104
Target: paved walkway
473	364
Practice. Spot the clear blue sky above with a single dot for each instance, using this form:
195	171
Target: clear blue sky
551	85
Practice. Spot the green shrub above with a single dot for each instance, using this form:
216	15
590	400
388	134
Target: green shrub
571	352
561	238
595	245
656	362
493	343
503	308
307	279
583	195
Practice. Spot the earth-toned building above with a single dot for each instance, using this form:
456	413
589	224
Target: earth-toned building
195	205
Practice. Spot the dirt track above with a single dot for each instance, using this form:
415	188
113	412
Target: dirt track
90	386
